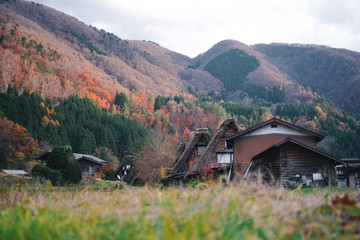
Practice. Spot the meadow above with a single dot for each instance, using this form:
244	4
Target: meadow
215	211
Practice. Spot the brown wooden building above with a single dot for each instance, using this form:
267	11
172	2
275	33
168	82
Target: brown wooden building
285	149
349	173
217	156
254	140
290	163
192	151
90	165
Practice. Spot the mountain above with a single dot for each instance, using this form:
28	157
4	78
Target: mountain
47	57
90	58
329	71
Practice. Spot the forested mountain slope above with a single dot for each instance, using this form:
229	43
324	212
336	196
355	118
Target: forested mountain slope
329	71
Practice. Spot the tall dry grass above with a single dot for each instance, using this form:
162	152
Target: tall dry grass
202	212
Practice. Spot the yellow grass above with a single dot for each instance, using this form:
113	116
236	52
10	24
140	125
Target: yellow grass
203	212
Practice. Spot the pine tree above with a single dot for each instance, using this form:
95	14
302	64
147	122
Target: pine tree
122	101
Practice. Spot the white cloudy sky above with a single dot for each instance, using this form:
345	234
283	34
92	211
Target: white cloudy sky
191	27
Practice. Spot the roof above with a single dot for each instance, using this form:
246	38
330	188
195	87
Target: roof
318	136
78	156
43	154
91	158
200	163
299	144
200	132
13	171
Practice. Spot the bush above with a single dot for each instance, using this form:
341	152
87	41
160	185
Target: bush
73	172
109	175
59	157
55	176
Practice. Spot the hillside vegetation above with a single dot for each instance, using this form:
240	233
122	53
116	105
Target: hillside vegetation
232	67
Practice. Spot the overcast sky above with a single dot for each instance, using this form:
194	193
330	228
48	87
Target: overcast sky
191	27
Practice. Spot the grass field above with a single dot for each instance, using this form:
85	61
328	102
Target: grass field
201	212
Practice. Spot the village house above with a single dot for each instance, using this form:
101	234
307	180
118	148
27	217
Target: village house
283	153
217	156
90	165
190	152
349	173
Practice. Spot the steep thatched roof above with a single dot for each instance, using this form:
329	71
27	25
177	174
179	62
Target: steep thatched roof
181	163
211	147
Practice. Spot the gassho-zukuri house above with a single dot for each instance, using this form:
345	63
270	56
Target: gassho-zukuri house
283	153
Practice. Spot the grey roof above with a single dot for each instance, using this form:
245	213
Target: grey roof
91	158
13	171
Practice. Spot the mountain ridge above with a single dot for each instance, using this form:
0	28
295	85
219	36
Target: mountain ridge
146	66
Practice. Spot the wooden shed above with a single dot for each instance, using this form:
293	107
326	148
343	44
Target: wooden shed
290	163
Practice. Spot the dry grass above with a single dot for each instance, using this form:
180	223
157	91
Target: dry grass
203	212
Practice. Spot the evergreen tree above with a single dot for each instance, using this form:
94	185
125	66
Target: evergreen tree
59	157
122	101
3	159
159	102
73	172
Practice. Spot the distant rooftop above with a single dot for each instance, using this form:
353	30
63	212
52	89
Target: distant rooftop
13	171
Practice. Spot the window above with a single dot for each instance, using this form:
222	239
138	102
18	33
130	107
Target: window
273	125
224	157
201	150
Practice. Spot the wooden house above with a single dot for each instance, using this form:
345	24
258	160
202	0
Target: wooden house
190	153
256	139
287	151
349	173
290	163
217	156
90	165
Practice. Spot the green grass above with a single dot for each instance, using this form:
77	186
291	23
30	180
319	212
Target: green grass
201	212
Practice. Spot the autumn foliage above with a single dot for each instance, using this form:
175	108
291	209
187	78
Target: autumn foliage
19	146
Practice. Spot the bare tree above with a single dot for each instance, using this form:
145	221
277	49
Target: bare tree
157	154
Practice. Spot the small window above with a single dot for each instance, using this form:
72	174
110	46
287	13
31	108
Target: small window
273	125
224	157
201	150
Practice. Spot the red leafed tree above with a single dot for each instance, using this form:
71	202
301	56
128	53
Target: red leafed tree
157	154
19	146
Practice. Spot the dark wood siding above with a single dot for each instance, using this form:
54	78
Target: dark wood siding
298	160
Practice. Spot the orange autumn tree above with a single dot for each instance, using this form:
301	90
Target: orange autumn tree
18	145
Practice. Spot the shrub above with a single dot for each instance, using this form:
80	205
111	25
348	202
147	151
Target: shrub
73	172
59	157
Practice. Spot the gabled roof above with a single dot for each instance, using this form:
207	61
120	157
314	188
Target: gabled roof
299	144
211	147
317	136
91	158
201	132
